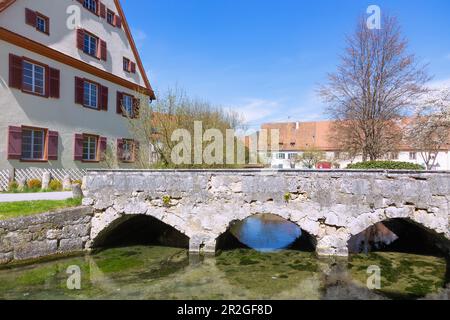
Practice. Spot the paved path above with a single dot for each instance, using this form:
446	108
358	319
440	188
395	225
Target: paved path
16	197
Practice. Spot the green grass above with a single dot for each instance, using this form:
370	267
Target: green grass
10	210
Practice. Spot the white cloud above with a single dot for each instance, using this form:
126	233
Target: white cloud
254	110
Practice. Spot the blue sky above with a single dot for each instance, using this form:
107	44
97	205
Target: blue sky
264	58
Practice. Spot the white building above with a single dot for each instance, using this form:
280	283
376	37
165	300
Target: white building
298	137
66	70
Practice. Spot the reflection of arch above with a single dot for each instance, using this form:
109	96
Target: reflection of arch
227	239
136	229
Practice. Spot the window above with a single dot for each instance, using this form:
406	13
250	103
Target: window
91	5
412	156
33	78
90	44
337	155
292	156
42	23
37	20
128	150
90	148
281	156
33	142
110	17
128	105
126	64
90	91
393	156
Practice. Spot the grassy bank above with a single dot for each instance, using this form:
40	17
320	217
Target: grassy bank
10	210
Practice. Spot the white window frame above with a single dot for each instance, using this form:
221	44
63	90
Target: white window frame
91	45
89	143
110	15
281	156
35	133
43	25
90	96
127	103
33	79
91	5
128	150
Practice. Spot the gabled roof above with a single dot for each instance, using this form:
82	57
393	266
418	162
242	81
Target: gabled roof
4	4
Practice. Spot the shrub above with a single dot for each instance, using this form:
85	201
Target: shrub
79	182
287	197
13	186
387	165
55	185
166	200
34	184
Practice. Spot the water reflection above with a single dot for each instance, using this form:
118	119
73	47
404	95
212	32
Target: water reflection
266	232
144	272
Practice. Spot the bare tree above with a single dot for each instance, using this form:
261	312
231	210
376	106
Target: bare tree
372	88
174	110
310	158
429	131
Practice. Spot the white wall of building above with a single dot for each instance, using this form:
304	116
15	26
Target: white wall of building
283	162
62	115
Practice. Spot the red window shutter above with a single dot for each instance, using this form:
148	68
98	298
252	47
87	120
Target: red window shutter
119	102
79	90
14	143
133	67
47	82
136	150
103	50
119	149
103	142
78	147
80	39
15	71
102	10
52	150
30	17
136	107
54	83
118	21
104	98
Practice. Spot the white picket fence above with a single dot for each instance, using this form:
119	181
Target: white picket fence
4	179
36	173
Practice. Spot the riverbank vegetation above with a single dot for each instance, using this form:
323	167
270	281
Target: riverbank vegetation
9	210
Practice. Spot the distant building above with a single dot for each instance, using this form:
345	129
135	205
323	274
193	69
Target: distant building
298	137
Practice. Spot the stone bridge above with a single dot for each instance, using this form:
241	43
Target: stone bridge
329	206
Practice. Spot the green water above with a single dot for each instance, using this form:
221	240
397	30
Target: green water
169	273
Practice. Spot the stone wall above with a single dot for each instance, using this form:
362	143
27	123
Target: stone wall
331	206
62	232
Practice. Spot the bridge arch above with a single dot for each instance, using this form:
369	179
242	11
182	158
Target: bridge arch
110	230
226	239
423	229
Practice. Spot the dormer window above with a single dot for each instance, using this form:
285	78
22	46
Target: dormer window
91	5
